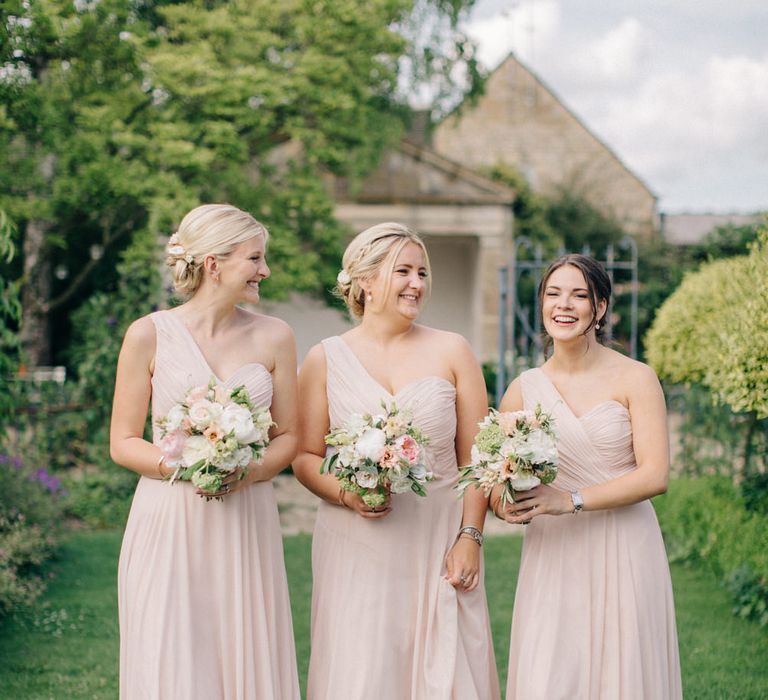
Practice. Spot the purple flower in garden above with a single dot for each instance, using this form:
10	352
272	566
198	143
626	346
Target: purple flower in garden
111	321
154	307
17	463
4	459
51	482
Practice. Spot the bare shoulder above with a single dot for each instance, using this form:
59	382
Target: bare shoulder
274	328
454	344
315	360
636	378
513	397
141	333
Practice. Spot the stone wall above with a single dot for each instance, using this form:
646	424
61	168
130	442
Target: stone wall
520	121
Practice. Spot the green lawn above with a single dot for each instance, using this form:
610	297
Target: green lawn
67	647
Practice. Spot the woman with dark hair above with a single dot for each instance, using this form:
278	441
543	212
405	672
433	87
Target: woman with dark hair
594	615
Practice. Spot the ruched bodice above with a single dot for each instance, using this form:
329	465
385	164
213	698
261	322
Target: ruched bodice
181	365
431	400
592	448
379	585
202	591
594	615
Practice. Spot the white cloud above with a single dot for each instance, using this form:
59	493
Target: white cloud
525	28
688	116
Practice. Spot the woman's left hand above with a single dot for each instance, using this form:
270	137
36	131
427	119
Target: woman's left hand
542	500
231	483
463	564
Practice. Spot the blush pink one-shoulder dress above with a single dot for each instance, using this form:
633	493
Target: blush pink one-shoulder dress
594	617
386	625
202	591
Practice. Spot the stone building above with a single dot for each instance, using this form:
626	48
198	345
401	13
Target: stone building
439	190
466	222
520	121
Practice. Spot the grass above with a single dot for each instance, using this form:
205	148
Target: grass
67	646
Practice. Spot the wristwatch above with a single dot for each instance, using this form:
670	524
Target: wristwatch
578	501
473	532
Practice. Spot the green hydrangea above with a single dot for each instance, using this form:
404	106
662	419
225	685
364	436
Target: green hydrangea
490	439
211	483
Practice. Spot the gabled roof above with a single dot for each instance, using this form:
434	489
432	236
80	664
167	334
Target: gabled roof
511	58
415	174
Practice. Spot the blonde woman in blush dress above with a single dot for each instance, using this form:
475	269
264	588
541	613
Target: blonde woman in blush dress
594	617
398	605
202	591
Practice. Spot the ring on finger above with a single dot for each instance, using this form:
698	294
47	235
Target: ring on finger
463	579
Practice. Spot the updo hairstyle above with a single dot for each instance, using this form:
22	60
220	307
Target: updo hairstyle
373	252
598	285
210	229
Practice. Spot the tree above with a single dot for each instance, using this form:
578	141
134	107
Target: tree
10	312
116	117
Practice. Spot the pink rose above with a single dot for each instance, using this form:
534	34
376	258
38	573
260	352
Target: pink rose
199	392
172	446
409	448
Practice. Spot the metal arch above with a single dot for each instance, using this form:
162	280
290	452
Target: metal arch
520	343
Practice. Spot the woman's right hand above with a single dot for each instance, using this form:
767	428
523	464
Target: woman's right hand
354	502
507	512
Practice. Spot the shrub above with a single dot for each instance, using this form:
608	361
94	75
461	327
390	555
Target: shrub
714	330
705	521
100	497
30	510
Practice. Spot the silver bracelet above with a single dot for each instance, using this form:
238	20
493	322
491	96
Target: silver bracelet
578	502
473	532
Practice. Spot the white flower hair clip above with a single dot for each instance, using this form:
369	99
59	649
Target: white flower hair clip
343	277
175	248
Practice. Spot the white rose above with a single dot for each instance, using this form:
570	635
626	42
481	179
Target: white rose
348	457
238	419
244	456
197	448
228	461
418	472
525	483
541	447
356	424
174	418
203	412
366	480
514	447
399	484
371	444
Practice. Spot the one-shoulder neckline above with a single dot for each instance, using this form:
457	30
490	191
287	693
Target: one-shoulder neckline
203	359
373	379
599	404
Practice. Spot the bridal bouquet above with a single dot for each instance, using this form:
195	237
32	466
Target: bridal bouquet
374	455
211	433
517	450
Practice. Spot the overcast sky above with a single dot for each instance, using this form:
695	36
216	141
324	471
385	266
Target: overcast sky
677	88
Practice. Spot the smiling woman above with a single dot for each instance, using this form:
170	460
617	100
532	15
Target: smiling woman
399	582
177	547
594	595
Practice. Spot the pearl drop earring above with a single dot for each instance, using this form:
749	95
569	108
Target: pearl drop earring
369	297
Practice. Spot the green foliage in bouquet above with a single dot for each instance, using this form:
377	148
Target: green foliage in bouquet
376	455
714	330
